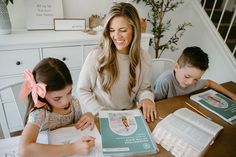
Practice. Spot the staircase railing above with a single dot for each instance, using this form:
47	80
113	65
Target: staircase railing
220	19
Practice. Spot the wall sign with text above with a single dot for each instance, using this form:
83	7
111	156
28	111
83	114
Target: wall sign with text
40	13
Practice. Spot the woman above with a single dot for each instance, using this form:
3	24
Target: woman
116	74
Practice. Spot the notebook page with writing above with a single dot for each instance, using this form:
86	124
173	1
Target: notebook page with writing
68	135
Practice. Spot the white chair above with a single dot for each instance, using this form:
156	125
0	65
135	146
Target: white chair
159	65
9	96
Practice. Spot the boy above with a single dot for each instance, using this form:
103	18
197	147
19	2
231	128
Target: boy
186	76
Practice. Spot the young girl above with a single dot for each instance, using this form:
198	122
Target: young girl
50	106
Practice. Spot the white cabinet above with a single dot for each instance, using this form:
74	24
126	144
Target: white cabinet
22	50
13	62
72	56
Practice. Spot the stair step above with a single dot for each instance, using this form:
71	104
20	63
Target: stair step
210	3
231	44
217	13
224	28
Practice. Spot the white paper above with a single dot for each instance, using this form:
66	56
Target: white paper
9	146
68	135
184	132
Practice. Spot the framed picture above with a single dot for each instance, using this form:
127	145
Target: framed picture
69	24
40	13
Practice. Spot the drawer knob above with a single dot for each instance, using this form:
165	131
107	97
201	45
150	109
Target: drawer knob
18	62
64	59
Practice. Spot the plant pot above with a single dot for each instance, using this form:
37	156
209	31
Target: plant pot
5	23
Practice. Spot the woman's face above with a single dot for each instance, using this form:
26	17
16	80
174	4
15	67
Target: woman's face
61	98
121	33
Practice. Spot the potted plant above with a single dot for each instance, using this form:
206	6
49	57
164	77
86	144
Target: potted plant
5	23
159	8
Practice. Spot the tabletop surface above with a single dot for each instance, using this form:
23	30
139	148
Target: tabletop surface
224	144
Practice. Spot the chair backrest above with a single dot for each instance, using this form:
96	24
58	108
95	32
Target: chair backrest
8	95
159	65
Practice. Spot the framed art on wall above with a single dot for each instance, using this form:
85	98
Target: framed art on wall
40	13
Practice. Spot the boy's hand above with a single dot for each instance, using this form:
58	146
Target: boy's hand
149	109
86	120
233	97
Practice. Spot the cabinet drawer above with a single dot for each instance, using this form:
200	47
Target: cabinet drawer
72	56
16	61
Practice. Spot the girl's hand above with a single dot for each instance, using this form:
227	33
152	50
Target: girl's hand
85	121
84	145
149	109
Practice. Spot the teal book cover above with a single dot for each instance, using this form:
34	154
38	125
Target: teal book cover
125	133
217	103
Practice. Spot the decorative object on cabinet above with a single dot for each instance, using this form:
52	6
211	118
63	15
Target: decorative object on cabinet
95	21
159	9
5	23
69	24
40	13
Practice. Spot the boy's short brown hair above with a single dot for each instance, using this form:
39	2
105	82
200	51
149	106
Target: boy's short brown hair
194	56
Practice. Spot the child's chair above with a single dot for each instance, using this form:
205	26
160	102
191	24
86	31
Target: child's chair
9	96
159	65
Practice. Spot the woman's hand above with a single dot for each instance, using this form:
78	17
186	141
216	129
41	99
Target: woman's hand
83	146
85	121
149	109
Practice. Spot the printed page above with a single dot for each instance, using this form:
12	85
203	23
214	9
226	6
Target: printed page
9	147
68	135
181	137
198	121
43	137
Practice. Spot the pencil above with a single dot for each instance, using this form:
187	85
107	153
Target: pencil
198	111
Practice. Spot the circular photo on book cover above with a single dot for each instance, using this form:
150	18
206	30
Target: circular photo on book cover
122	124
214	100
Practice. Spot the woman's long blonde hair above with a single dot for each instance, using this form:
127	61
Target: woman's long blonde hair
108	69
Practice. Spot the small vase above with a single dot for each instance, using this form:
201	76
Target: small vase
5	23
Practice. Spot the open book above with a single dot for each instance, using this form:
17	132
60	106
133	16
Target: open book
125	133
217	103
185	133
65	135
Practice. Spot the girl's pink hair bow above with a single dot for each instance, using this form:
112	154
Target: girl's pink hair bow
30	86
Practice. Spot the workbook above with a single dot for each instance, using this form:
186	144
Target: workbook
185	133
65	135
218	104
125	133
